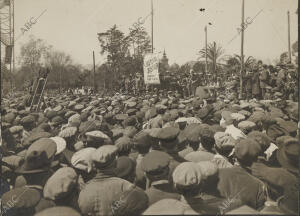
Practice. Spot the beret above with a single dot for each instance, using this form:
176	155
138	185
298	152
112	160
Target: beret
60	144
68	132
167	134
104	155
59	211
155	161
125	166
187	174
60	184
82	159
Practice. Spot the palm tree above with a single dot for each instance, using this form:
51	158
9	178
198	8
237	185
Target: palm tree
248	63
215	54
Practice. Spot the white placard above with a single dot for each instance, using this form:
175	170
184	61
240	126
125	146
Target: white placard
151	75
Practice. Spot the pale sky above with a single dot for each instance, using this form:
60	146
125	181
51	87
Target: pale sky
72	25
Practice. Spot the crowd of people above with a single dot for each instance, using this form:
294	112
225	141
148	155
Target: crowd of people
260	81
150	154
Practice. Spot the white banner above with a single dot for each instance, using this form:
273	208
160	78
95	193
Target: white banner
151	75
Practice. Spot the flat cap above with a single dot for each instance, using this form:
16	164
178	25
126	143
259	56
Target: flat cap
155	161
167	134
125	166
60	144
74	120
187	174
16	129
208	169
68	132
27	119
97	135
247	150
59	211
60	184
104	155
82	159
224	140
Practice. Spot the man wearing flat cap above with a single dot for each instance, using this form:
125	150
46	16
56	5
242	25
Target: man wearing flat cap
168	142
96	196
156	168
236	180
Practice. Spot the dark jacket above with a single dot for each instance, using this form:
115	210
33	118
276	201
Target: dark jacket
161	190
236	183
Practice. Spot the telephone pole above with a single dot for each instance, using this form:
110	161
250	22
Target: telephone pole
289	37
94	71
242	49
205	30
152	47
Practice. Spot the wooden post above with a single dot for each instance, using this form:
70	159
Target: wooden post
242	50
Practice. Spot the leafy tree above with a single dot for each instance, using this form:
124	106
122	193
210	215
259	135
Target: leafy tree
114	43
32	55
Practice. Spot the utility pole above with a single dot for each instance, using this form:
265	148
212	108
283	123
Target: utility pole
215	60
94	71
205	30
152	47
13	33
242	49
289	37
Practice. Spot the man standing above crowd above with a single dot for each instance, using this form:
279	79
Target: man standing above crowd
263	77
